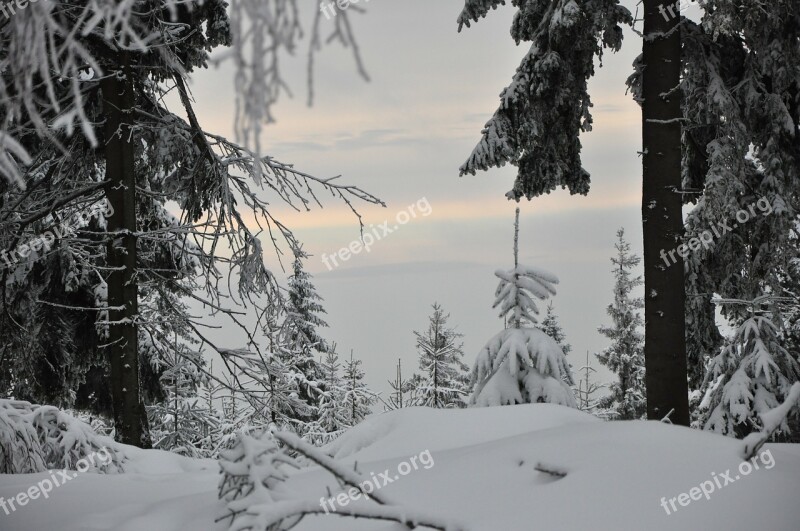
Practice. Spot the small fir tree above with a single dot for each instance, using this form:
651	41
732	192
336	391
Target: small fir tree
444	378
521	364
552	328
333	411
301	341
358	399
403	390
625	355
751	375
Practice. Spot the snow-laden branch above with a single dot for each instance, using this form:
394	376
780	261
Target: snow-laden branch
386	510
772	420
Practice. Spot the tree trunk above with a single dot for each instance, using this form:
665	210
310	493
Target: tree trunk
130	420
665	341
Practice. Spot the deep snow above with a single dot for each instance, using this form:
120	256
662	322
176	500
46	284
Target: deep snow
483	474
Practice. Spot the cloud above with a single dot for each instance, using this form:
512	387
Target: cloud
395	269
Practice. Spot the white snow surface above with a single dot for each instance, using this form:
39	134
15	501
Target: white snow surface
483	476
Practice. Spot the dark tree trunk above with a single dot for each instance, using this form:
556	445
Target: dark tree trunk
665	341
130	420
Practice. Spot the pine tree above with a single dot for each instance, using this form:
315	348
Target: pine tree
521	364
304	309
586	389
358	399
546	107
333	412
301	339
64	70
625	355
444	377
552	328
741	159
752	373
184	422
403	394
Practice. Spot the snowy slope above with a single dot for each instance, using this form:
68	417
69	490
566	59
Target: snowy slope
482	474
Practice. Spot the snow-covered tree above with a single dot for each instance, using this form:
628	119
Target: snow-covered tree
586	389
254	471
625	355
332	412
103	68
304	309
751	375
521	364
70	42
552	328
40	438
444	376
740	155
402	390
719	117
301	339
185	422
358	398
258	494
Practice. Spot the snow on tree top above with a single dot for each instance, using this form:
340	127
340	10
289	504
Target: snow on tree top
518	287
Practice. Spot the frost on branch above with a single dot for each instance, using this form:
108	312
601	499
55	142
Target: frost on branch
51	51
256	497
253	477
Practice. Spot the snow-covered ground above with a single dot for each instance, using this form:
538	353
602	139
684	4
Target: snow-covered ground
475	466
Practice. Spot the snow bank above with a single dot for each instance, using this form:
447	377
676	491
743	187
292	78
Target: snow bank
408	431
490	470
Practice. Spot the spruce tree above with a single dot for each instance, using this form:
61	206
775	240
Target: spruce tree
185	422
444	376
742	161
303	310
301	339
403	394
332	412
625	355
86	120
358	398
585	389
521	364
751	375
547	106
552	328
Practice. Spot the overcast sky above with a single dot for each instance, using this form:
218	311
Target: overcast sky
402	137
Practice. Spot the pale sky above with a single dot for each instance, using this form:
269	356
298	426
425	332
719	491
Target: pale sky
403	137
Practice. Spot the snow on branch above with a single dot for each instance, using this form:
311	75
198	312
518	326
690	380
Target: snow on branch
386	510
37	438
517	289
772	420
254	488
54	54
